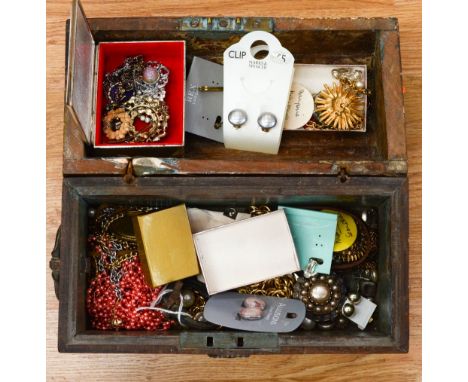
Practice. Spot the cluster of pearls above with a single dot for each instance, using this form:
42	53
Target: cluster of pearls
145	118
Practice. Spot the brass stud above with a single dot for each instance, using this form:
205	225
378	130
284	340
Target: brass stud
348	309
355	298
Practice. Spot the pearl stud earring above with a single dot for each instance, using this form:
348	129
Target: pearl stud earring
267	121
237	118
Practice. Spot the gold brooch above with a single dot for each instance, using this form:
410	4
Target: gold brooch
152	111
117	124
340	108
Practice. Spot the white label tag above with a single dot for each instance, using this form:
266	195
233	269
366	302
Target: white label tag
362	312
300	107
256	86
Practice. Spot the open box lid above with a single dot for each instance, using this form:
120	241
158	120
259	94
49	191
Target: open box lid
79	79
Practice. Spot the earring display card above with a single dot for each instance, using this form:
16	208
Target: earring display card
202	220
256	92
204	109
255	313
165	245
314	236
314	77
246	251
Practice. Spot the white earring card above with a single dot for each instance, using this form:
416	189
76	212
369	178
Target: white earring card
259	87
246	251
203	110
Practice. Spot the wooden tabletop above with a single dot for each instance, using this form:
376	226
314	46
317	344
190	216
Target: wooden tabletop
125	367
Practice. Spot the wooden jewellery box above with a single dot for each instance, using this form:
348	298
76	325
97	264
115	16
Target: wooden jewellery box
365	172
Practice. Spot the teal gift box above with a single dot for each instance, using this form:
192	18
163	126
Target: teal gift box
313	233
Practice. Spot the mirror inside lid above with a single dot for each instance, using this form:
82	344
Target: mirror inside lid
79	87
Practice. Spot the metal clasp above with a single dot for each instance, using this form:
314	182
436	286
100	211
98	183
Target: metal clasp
310	270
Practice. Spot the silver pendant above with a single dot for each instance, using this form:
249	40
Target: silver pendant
151	80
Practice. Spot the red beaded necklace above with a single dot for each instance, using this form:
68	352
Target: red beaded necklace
119	288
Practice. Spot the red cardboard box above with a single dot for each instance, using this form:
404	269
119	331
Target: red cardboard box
111	55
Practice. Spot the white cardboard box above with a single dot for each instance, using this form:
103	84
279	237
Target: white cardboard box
246	252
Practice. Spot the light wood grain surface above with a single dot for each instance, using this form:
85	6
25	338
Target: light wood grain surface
101	367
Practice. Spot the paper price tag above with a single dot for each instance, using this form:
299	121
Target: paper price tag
346	231
300	107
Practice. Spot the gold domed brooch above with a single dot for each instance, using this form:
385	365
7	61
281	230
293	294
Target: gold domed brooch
117	124
341	105
340	108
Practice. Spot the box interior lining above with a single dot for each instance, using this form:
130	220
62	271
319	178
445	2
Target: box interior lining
356	204
171	53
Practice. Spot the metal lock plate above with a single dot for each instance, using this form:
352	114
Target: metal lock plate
229	340
229	24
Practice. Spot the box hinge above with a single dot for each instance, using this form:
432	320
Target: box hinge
266	342
227	24
129	176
